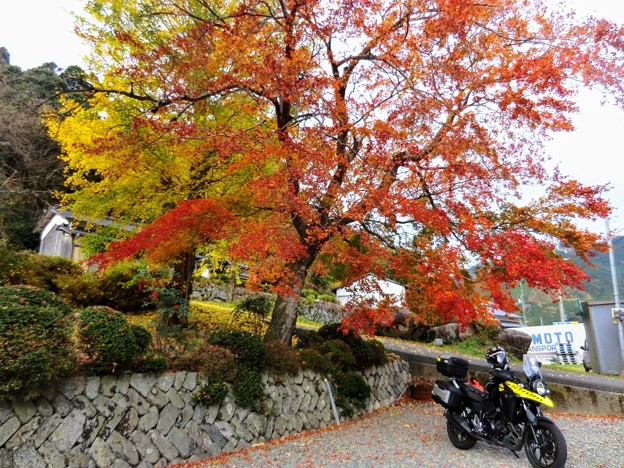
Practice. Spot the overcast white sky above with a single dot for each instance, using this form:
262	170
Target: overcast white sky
38	31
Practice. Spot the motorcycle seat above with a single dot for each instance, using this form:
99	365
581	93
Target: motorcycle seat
474	393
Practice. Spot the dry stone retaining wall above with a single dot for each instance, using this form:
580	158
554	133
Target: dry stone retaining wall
319	311
146	420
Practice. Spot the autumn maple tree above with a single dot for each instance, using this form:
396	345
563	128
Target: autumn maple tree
394	137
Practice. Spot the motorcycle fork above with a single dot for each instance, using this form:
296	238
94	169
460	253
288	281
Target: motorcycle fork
532	419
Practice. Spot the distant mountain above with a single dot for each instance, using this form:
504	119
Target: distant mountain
541	308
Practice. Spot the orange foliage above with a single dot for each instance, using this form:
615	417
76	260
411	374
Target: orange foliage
413	127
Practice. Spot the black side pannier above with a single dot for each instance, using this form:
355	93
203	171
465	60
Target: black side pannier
452	366
446	394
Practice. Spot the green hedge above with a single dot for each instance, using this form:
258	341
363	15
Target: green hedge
36	348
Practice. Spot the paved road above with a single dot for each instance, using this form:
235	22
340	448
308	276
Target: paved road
413	434
586	380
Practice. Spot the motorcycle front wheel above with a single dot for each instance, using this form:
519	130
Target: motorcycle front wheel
548	449
458	437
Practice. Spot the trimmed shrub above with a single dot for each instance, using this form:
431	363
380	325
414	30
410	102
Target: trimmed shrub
81	291
312	359
252	312
249	349
41	271
247	388
353	387
339	354
151	362
121	288
328	298
142	336
380	357
215	362
282	359
211	394
107	338
35	341
308	339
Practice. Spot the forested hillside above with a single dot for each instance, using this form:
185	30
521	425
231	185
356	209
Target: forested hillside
599	288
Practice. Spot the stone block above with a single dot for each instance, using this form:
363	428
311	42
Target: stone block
84	404
72	386
157	398
92	387
147	450
46	428
62	405
24	410
44	408
167	419
128	422
24	433
181	440
9	428
69	431
101	453
108	385
27	457
166	448
175	399
190	382
52	456
123	383
137	402
123	448
149	420
165	381
143	383
6	412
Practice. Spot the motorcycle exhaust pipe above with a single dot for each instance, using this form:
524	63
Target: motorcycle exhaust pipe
460	422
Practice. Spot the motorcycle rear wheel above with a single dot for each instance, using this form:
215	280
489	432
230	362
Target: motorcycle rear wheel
549	450
458	437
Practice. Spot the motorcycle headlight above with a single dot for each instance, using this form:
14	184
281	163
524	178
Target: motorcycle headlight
539	387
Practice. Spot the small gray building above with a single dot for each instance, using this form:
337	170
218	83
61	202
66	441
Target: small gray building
57	235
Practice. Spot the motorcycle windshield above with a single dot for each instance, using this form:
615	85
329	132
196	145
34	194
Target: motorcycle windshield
531	367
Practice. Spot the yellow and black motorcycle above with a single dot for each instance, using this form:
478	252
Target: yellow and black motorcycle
506	412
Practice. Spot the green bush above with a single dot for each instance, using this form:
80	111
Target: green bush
80	290
308	339
216	362
312	359
122	288
308	296
36	349
353	387
249	349
150	362
328	298
107	338
41	271
247	388
8	261
339	354
142	336
282	359
212	393
257	304
380	356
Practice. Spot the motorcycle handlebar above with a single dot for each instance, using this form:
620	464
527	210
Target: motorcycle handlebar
502	374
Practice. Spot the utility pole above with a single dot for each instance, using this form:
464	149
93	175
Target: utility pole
522	303
616	312
562	316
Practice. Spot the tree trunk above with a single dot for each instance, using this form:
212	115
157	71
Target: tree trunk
284	317
183	282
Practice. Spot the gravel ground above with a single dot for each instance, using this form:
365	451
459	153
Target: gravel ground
413	433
